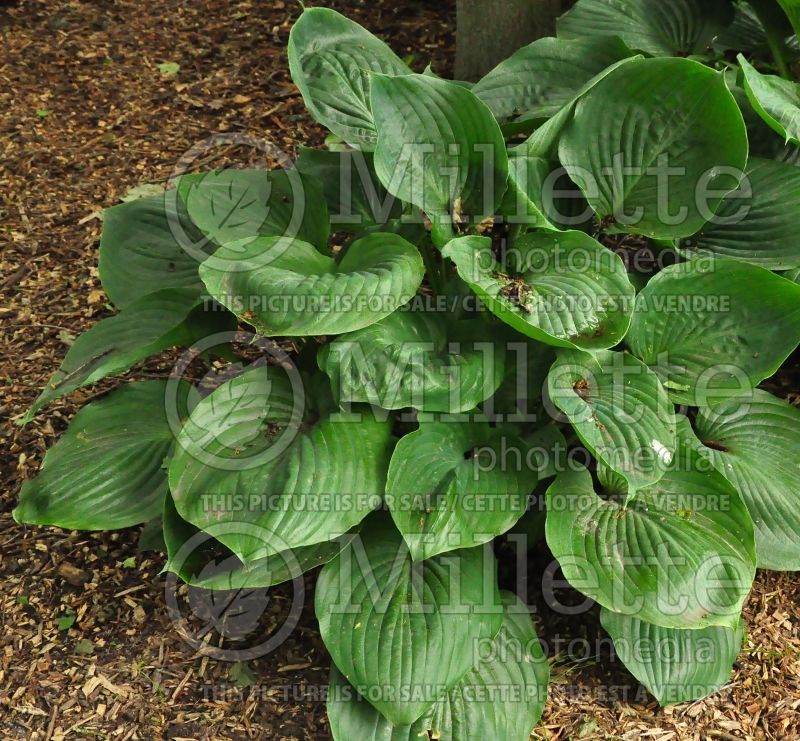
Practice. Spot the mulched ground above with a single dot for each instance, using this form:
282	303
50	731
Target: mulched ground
87	647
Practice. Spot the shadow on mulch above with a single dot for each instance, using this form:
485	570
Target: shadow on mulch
87	647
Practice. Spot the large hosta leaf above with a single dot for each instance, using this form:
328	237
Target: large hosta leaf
714	328
404	633
675	28
758	223
655	145
288	288
680	554
776	100
457	485
418	359
107	470
478	707
439	147
538	79
148	245
675	665
764	144
543	141
563	288
755	443
246	457
746	33
355	197
146	327
202	561
330	58
620	411
232	205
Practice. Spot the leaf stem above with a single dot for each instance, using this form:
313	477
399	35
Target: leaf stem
778	49
771	16
432	269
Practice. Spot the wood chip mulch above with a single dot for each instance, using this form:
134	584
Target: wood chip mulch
87	648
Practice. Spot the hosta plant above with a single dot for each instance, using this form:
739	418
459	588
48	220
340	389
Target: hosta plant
539	304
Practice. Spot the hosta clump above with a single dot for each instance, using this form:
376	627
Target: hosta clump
590	251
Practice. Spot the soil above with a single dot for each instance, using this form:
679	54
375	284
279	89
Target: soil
88	646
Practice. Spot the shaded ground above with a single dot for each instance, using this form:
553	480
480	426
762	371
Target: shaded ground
87	649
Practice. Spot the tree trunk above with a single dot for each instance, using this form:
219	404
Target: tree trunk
489	31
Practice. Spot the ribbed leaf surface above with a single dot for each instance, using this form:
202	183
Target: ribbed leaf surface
107	470
403	633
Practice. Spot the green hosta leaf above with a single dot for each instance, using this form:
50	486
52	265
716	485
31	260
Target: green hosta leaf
457	485
404	633
549	450
233	205
612	484
620	411
519	398
746	33
481	706
330	58
113	345
540	78
714	328
355	197
563	288
776	100
565	205
245	457
418	359
675	28
525	200
781	19
286	287
793	275
758	223
755	443
543	141
542	196
763	141
439	147
202	561
776	150
675	665
655	145
148	245
679	555
792	10
107	470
